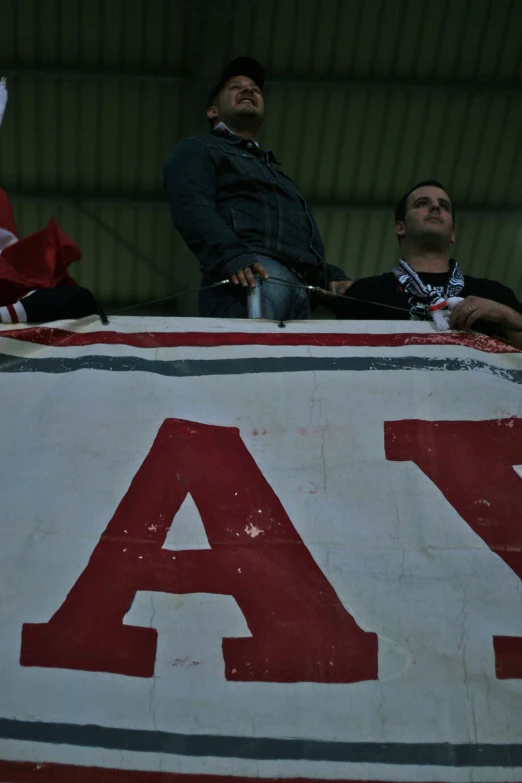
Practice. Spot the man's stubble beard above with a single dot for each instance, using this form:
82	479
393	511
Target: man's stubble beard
430	241
244	120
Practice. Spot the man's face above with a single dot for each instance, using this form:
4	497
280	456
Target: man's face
240	98
428	216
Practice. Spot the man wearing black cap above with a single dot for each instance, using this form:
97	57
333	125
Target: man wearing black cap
241	216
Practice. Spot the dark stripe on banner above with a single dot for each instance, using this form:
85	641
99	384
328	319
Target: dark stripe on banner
200	367
263	748
43	335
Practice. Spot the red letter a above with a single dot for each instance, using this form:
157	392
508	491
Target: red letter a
300	630
471	462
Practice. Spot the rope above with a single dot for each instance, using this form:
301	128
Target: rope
330	294
273	281
172	296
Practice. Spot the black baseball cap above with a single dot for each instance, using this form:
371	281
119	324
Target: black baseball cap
241	66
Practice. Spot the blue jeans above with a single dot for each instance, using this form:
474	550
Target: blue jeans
279	302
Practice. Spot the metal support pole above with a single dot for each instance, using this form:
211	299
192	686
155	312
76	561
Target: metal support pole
255	309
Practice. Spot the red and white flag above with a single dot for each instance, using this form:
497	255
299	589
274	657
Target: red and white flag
8	230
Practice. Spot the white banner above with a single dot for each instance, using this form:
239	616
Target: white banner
248	552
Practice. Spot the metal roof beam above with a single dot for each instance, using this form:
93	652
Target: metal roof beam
304	81
88	197
363	205
376	84
88	74
157	198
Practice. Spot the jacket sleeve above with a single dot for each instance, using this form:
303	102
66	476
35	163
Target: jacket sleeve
335	273
332	272
190	182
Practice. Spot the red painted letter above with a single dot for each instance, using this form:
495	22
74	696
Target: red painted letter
300	630
471	462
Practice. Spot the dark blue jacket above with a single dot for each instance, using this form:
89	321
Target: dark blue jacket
231	202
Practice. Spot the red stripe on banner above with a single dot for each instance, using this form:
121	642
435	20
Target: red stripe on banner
29	771
64	339
12	313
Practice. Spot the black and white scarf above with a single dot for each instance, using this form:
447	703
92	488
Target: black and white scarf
434	300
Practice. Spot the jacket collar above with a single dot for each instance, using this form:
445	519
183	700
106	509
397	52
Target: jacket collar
223	132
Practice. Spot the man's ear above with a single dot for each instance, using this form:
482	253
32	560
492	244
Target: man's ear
399	229
452	236
212	113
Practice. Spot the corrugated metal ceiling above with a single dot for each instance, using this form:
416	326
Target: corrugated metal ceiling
364	98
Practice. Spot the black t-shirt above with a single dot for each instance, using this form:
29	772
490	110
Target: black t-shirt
385	289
